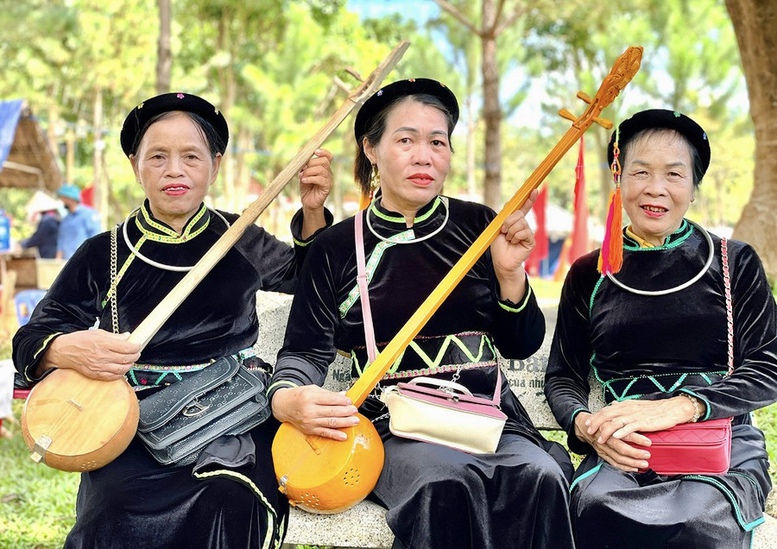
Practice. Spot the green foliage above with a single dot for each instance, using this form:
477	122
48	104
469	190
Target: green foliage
269	65
37	504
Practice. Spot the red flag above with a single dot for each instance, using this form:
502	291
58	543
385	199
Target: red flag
579	244
540	250
87	196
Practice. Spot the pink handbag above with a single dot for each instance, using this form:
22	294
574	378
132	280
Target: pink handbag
445	412
703	447
428	409
692	448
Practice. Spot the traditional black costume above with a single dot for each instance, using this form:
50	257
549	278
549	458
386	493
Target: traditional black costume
658	346
436	496
134	501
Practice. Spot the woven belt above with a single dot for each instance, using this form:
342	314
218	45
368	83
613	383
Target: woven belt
435	354
151	376
626	388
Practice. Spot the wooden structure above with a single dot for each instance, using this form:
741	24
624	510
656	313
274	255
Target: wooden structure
28	162
31	163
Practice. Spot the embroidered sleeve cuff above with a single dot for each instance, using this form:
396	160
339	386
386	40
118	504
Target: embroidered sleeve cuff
573	443
282	384
575	412
511	307
29	368
296	228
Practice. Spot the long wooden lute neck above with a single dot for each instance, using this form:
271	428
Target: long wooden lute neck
156	319
624	69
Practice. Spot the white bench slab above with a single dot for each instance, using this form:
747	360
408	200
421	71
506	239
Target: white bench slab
364	526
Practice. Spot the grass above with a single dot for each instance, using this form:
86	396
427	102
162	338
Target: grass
37	504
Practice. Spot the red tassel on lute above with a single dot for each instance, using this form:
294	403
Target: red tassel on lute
611	254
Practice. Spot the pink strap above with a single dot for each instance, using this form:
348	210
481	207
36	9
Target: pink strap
361	280
369	329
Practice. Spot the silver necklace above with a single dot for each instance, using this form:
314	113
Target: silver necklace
682	286
151	262
443	200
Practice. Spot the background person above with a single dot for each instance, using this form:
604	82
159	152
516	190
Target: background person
80	222
658	346
436	496
45	211
175	144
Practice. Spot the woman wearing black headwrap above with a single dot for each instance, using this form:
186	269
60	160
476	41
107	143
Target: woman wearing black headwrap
436	496
229	497
655	337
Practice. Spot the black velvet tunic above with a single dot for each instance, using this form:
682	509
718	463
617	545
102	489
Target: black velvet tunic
134	501
641	346
436	496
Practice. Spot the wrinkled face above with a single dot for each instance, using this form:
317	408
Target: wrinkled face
657	184
413	156
175	168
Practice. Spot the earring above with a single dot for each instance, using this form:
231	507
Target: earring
374	181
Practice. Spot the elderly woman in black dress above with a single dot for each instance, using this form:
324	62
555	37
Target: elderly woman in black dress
229	497
655	336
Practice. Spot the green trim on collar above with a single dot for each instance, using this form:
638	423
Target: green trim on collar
302	243
157	232
399	219
674	240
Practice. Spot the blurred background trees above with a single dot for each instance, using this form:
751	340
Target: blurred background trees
277	68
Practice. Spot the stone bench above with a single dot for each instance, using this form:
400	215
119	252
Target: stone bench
364	525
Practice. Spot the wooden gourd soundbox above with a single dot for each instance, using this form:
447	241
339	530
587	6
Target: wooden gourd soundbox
75	423
322	475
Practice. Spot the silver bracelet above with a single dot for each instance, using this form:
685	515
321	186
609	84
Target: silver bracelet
696	407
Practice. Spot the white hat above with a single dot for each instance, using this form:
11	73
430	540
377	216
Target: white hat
42	202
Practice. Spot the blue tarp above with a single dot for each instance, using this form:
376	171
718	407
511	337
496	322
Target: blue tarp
9	118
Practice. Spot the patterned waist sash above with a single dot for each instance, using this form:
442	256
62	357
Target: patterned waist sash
435	354
152	376
625	388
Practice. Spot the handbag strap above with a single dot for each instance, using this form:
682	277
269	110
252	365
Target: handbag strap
369	329
114	281
729	308
361	281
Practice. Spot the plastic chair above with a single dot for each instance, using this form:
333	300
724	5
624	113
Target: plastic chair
25	301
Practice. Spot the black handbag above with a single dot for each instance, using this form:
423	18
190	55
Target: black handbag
224	398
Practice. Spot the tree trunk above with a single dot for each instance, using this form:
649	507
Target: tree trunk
228	89
755	25
472	123
164	55
492	112
99	190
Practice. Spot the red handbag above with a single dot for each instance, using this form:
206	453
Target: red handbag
702	447
691	448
